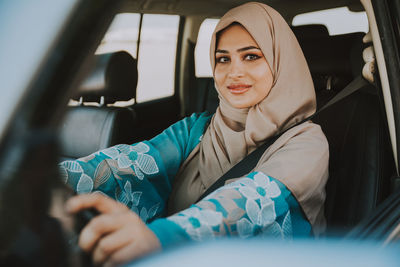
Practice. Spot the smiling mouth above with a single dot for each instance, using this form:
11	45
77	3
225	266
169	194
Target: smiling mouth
238	88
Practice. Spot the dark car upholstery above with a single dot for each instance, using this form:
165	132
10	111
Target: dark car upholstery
361	162
334	61
87	129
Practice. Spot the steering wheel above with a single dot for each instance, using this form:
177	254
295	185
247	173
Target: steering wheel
72	225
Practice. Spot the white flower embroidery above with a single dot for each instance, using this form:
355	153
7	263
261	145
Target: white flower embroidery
198	223
117	153
101	174
124	161
125	149
68	166
63	173
258	187
259	216
140	148
142	163
72	166
85	184
111	152
126	196
145	214
275	230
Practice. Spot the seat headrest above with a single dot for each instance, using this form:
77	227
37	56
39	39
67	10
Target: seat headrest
331	59
114	77
310	30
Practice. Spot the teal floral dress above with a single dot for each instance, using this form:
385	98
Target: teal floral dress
141	176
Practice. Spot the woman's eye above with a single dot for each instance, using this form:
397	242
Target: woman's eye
251	57
222	59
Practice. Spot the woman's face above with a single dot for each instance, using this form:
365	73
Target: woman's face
242	73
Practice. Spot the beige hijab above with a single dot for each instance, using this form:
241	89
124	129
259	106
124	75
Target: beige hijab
299	158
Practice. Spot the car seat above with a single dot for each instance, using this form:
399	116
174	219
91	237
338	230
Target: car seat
89	128
361	162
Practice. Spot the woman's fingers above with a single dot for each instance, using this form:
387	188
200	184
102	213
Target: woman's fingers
132	239
134	250
143	242
110	244
98	227
102	203
124	255
117	235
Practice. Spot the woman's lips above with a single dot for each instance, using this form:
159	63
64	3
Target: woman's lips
238	88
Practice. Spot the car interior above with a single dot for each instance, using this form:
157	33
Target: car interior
362	165
100	73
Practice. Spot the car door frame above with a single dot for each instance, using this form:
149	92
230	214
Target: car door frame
29	148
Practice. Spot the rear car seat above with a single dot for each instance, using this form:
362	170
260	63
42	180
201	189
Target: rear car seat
87	129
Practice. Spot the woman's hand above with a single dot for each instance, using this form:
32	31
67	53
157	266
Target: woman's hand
115	236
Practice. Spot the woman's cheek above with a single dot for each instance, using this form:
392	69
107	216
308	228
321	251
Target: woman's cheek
219	77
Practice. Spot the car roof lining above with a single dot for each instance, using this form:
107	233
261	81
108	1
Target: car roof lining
216	8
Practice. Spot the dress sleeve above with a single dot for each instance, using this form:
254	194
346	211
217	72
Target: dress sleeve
255	205
138	175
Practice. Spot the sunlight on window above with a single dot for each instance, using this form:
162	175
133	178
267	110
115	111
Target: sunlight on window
337	20
157	54
121	35
157	51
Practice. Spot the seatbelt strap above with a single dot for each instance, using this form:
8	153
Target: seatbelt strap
249	162
358	83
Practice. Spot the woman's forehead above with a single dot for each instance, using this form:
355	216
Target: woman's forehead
235	36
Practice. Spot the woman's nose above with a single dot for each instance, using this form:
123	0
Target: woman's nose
236	69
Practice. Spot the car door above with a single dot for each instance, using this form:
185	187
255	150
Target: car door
384	222
47	43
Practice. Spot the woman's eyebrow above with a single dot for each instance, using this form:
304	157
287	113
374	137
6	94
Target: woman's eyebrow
238	50
247	48
221	51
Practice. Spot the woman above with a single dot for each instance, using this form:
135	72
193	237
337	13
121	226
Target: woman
264	87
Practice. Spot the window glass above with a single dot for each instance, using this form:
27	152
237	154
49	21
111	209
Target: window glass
157	51
337	20
121	35
202	50
157	54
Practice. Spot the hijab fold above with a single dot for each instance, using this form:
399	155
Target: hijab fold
299	158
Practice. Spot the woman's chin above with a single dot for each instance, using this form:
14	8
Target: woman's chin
240	105
241	102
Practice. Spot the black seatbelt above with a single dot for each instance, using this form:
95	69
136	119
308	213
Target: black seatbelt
249	162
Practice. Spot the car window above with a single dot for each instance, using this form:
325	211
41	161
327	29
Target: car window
26	38
121	35
157	54
202	50
156	51
349	21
